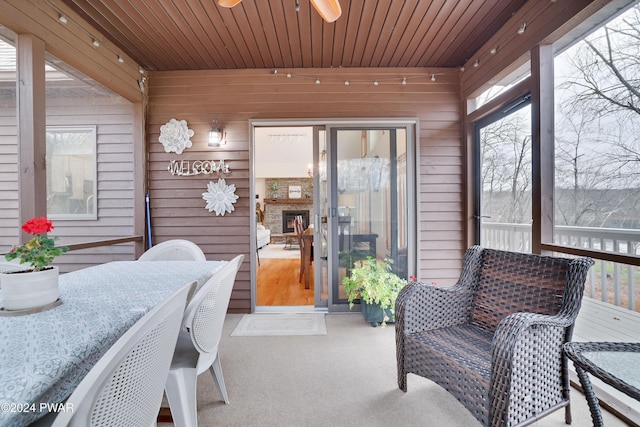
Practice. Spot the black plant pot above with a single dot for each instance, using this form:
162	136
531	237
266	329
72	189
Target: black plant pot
374	314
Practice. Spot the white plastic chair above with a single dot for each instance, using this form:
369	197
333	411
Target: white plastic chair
197	348
174	250
125	387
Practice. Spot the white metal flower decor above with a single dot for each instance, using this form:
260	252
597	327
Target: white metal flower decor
175	136
220	197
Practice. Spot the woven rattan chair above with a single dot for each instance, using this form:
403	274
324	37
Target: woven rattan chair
494	340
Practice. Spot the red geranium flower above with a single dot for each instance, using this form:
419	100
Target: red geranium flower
38	225
41	249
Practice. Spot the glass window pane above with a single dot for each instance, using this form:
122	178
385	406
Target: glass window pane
505	180
502	86
71	172
597	152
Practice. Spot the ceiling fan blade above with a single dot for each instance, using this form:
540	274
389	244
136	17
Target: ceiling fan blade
330	10
228	3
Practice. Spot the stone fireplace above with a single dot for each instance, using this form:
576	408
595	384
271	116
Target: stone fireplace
288	218
279	212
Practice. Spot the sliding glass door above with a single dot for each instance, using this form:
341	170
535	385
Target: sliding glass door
355	181
368	205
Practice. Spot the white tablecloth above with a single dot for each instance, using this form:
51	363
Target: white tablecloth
44	356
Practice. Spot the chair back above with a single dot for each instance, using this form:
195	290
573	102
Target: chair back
125	387
174	250
511	282
298	226
204	317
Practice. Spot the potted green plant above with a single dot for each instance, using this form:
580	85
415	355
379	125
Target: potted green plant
37	285
373	282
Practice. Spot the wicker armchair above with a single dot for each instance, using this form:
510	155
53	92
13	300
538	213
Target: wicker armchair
494	340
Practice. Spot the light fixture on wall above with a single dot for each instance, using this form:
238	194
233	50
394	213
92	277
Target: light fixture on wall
522	28
216	135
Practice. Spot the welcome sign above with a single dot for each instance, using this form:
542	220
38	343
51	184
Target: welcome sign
295	191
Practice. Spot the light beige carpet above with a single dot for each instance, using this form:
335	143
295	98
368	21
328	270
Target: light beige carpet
272	324
346	378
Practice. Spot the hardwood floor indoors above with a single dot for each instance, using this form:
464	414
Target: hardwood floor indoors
278	285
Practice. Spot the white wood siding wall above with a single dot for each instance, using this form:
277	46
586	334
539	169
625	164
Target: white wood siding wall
115	163
9	222
113	118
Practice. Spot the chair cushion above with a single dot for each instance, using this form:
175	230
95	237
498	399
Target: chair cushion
459	359
509	285
465	345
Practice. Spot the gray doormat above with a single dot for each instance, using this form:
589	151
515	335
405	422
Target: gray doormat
264	325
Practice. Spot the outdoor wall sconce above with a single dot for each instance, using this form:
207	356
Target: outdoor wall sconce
216	136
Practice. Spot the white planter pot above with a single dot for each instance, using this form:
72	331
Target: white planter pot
21	291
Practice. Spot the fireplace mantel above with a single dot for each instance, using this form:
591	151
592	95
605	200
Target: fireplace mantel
287	201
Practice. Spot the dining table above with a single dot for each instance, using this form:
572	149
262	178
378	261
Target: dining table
45	355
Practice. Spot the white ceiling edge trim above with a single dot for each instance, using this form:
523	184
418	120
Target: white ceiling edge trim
333	121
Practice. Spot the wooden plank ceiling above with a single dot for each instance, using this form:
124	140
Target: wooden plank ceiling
163	35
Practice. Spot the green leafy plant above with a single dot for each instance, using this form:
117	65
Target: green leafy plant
373	282
41	250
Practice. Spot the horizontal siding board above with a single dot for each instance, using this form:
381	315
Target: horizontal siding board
237	96
115	169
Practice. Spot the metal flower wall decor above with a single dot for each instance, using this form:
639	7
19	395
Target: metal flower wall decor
220	197
175	136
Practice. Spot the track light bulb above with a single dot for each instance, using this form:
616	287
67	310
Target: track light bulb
522	28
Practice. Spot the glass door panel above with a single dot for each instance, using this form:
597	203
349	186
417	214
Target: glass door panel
368	214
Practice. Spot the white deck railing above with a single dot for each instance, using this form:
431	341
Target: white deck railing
608	281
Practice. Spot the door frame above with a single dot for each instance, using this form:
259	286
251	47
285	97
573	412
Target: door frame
411	124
